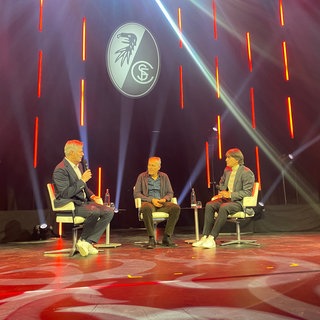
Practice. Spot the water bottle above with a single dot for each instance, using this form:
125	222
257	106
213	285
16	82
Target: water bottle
193	198
107	198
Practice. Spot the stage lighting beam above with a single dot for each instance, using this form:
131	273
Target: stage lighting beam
260	140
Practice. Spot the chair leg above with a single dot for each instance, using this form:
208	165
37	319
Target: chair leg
74	240
155	229
69	251
239	241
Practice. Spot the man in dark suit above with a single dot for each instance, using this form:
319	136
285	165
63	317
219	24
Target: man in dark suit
236	182
70	180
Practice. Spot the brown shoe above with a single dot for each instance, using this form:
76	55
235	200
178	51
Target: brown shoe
167	242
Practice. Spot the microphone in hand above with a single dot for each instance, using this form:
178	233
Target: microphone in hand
85	164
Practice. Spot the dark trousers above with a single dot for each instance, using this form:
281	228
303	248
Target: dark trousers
97	218
223	207
171	208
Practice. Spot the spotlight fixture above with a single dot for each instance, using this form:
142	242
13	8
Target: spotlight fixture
115	210
259	210
42	232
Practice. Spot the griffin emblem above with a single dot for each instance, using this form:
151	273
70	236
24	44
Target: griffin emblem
124	54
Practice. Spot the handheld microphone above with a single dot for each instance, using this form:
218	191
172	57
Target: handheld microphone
216	185
85	164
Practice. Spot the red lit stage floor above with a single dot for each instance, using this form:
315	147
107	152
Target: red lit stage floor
279	280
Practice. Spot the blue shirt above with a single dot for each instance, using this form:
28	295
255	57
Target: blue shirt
154	187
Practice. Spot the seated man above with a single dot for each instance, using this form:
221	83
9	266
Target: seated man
154	189
236	182
70	180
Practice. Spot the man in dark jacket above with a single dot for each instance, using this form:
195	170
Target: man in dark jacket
70	181
155	190
236	182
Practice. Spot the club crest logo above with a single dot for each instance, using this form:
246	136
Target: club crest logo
132	59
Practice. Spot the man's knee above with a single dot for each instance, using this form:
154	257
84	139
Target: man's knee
147	208
107	213
175	209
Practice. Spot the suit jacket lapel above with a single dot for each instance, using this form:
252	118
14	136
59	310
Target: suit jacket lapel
228	173
236	179
70	170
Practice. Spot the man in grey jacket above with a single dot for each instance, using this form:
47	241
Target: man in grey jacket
236	182
155	190
70	181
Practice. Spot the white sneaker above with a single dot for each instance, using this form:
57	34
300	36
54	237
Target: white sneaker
209	243
82	247
92	249
200	242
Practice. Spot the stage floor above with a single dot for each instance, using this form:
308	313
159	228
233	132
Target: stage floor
278	280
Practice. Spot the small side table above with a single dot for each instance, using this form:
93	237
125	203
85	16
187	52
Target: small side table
196	223
107	244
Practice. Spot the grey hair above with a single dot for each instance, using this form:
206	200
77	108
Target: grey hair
71	145
158	159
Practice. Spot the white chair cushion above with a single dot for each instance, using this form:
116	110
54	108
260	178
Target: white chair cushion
159	214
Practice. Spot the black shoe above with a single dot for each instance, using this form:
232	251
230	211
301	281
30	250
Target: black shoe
167	242
151	244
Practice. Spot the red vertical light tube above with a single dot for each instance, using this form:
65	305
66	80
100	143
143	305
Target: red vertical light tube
217	77
258	167
285	60
40	15
39	73
290	117
281	14
214	13
181	88
208	164
249	51
82	106
219	137
35	142
84	38
253	115
180	26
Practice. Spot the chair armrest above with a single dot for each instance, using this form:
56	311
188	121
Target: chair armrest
174	200
137	202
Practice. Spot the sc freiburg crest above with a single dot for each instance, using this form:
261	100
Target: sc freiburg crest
132	60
